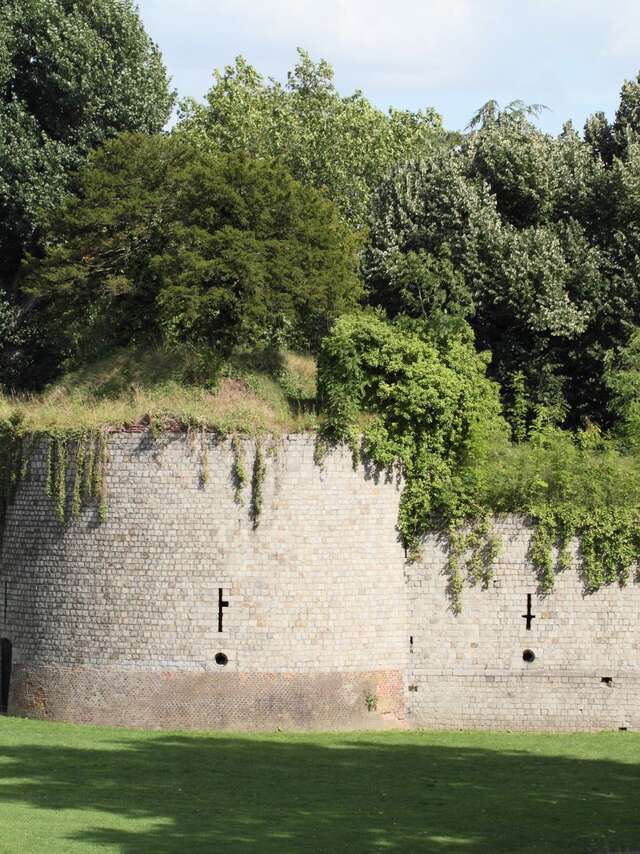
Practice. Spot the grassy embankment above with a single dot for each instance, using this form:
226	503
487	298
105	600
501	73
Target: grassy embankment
79	790
253	392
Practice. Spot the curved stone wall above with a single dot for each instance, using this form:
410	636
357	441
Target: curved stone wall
324	623
118	622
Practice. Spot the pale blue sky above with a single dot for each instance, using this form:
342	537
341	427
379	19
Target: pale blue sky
571	55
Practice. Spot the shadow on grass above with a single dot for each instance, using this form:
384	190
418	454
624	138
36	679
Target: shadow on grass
403	793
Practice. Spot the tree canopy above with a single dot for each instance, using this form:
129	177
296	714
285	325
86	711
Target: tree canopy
71	76
343	145
165	241
541	236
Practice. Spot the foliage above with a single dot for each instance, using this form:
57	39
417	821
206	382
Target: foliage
71	76
141	386
239	471
540	234
622	376
343	145
196	249
81	450
430	409
257	484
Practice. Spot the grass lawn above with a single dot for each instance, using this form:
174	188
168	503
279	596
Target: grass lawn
83	789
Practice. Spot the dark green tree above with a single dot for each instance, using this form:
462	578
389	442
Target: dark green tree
193	248
71	75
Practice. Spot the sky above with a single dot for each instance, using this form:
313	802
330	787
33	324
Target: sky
454	55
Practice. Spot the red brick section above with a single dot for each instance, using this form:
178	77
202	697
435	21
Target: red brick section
210	700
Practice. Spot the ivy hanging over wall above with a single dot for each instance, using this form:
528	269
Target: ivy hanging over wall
427	406
257	483
78	460
80	457
239	470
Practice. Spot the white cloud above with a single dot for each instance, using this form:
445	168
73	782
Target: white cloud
453	54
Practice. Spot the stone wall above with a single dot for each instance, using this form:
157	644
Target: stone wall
327	626
118	622
468	670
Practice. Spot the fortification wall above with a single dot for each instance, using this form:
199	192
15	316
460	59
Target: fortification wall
324	623
118	622
468	670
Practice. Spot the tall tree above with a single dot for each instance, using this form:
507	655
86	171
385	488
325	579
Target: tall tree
72	74
211	250
343	145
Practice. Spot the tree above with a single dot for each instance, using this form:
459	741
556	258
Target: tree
71	76
196	248
516	212
342	145
429	406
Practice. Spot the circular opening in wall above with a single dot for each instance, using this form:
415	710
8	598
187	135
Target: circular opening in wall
221	659
528	655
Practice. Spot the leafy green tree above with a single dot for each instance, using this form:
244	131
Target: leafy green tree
598	134
622	375
542	242
626	126
195	248
429	406
71	75
342	145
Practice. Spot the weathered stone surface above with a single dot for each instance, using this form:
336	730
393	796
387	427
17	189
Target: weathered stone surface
469	669
327	625
117	622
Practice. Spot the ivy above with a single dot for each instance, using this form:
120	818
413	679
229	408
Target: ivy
429	406
12	465
85	451
475	549
257	484
103	503
238	472
60	477
88	465
76	501
204	459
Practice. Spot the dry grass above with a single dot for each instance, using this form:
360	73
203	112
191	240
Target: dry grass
254	392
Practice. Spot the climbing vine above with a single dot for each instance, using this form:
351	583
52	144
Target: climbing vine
429	406
432	409
78	457
239	471
257	483
204	458
475	549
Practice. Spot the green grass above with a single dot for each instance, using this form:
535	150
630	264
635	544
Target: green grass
252	392
76	789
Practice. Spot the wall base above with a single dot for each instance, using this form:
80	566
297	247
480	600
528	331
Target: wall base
209	700
525	702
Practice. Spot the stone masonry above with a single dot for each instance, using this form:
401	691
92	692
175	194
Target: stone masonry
325	625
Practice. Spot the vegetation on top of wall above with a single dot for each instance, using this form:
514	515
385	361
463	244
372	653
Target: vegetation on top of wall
430	407
263	223
252	392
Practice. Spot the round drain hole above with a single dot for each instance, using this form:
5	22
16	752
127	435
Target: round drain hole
221	659
528	655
